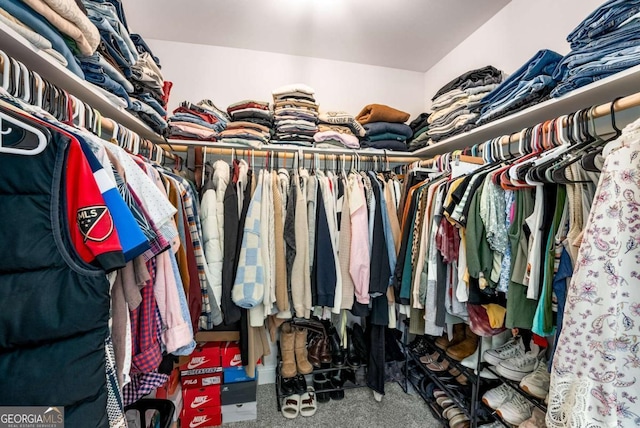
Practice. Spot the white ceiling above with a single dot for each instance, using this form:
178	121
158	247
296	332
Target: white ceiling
406	34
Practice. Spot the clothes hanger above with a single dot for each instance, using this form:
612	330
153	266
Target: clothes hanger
19	137
588	161
558	172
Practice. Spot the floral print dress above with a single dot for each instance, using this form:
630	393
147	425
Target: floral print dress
595	376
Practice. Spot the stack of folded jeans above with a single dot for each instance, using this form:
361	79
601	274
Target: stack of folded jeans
605	43
295	115
197	122
419	126
124	67
529	85
335	136
456	106
385	127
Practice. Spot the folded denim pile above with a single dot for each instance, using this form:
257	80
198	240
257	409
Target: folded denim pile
530	84
605	43
385	127
295	114
419	126
338	129
456	106
92	40
202	121
251	124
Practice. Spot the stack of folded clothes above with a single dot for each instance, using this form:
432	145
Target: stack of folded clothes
419	126
296	115
91	39
329	136
531	84
202	121
456	106
605	43
385	127
342	118
250	125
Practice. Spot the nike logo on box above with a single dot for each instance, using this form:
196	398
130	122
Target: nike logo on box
198	420
197	362
199	401
237	361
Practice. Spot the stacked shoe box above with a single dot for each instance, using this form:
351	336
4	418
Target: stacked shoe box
238	393
201	385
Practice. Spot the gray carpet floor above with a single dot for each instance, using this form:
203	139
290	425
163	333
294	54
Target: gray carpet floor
357	410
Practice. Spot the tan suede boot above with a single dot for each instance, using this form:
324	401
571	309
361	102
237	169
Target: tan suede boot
464	348
287	349
458	336
304	366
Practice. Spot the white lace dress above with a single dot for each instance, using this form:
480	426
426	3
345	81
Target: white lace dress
595	378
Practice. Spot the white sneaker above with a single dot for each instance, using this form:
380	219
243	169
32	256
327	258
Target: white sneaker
496	397
512	349
518	367
537	383
515	411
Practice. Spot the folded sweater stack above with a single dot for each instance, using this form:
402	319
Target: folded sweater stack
338	129
296	115
202	121
251	123
419	126
385	127
456	106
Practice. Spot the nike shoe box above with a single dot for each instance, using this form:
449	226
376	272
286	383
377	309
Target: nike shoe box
235	374
240	412
231	356
204	359
201	398
203	380
238	393
202	418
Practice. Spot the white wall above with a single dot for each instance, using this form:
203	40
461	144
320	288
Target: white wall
228	75
511	38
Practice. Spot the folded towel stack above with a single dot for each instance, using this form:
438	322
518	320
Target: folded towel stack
456	106
296	115
385	127
202	121
251	123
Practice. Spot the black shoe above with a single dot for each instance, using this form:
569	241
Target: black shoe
353	360
287	386
349	375
299	384
321	383
338	356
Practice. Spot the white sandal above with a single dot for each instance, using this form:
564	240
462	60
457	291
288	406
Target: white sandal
308	405
291	406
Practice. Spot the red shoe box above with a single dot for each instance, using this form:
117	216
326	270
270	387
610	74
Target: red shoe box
203	380
201	398
231	356
204	359
202	418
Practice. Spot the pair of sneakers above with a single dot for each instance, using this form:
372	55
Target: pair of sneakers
509	405
512	361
